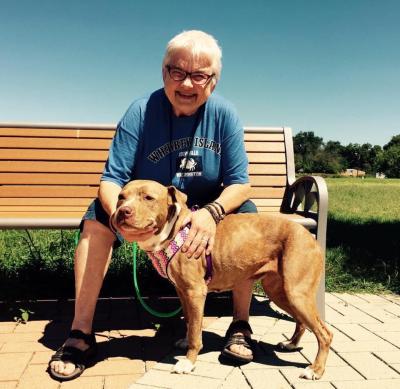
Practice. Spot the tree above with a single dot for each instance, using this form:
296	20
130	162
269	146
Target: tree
389	159
306	145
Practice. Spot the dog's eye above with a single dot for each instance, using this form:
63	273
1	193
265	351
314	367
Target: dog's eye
148	198
121	197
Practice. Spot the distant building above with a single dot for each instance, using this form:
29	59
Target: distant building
353	173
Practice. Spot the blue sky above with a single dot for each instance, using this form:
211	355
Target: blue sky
332	67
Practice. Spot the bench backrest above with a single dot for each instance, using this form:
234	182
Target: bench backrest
53	171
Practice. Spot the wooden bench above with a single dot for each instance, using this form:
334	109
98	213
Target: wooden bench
50	173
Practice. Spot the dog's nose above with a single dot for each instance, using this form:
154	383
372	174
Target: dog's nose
126	211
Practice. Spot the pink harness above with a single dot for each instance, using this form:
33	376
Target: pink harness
161	259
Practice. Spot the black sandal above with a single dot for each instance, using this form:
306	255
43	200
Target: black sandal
73	355
230	339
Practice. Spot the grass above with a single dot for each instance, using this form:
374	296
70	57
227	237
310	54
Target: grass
363	250
367	199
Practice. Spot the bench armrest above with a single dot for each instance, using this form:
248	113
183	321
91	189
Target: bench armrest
308	197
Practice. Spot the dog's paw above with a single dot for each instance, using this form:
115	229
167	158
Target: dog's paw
309	374
287	346
184	366
181	344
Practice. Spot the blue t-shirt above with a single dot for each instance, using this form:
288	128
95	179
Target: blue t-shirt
198	154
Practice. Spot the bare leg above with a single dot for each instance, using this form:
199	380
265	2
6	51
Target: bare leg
241	306
92	257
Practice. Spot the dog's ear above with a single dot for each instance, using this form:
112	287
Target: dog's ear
176	196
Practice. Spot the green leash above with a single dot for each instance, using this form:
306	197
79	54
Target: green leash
144	305
135	283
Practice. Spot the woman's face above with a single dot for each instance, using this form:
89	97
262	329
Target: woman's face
185	96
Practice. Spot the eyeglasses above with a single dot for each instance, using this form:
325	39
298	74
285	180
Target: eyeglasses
197	78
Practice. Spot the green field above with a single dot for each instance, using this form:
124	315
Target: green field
363	245
364	199
363	249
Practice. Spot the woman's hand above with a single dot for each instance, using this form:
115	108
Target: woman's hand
201	234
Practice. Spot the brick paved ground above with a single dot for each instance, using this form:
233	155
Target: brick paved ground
135	352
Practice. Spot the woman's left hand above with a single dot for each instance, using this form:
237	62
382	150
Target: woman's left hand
201	234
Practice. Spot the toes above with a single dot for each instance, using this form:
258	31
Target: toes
309	374
63	368
183	366
239	349
287	346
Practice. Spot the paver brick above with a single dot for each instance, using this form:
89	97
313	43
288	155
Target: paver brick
337	373
23	347
41	357
383	327
370	384
32	326
313	385
371	346
274	359
309	351
258	379
8	384
13	365
36	377
369	365
235	380
392	337
163	379
355	332
21	337
396	366
7	327
115	367
84	382
120	381
389	357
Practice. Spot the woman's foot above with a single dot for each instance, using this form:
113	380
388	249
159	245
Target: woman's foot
238	342
71	359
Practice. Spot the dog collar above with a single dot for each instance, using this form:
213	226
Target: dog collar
161	259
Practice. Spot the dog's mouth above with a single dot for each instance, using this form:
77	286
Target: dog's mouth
150	227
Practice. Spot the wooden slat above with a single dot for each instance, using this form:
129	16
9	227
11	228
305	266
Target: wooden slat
265	180
276	147
55	143
261	137
268	202
40	201
52	155
41	215
266	157
26	209
55	166
49	179
48	191
264	168
56	133
269	193
268	209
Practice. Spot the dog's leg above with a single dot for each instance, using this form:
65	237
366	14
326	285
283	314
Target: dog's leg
182	343
194	304
273	287
305	310
293	343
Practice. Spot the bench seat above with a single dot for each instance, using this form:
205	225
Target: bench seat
49	173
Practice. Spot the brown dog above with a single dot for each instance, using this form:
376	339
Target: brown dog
283	254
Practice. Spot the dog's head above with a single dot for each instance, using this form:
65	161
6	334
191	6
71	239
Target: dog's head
145	206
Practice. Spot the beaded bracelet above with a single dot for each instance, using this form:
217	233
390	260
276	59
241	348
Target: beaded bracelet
216	210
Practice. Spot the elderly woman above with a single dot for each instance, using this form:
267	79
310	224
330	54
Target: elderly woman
181	135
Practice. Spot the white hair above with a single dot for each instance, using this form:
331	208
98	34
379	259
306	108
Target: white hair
200	44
